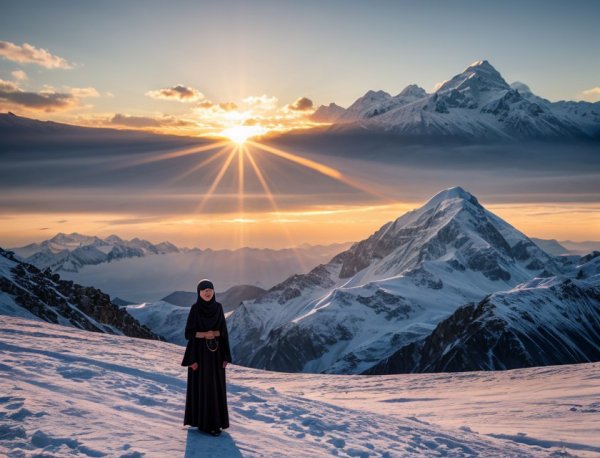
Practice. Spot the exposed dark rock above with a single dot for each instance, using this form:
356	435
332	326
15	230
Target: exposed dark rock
45	295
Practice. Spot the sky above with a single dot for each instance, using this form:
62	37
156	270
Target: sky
238	68
196	67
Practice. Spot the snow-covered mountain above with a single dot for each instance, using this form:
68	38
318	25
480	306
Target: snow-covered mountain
475	104
387	291
329	113
542	322
28	292
163	318
69	392
70	252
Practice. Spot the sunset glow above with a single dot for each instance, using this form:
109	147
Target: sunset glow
239	134
247	139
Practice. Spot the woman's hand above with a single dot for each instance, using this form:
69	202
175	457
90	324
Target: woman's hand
225	363
194	366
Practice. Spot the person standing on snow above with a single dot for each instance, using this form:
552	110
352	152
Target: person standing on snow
206	355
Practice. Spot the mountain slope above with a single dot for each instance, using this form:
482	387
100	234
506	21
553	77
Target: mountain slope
64	397
539	323
26	291
387	291
475	104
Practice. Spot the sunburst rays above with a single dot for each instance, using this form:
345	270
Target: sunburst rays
247	157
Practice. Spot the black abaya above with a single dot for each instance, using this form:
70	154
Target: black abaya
206	398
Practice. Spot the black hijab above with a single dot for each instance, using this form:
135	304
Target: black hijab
207	314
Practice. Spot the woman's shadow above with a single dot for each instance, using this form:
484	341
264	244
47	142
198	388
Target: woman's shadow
204	445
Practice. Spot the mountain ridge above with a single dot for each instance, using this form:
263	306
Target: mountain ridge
388	290
474	104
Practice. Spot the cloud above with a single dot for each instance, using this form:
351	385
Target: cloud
29	54
228	106
262	102
19	75
147	121
43	101
8	86
83	92
134	121
178	93
301	104
135	220
591	95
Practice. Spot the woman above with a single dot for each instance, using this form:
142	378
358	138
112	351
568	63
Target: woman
206	356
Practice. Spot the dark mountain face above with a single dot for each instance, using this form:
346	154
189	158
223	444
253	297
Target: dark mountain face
554	321
46	296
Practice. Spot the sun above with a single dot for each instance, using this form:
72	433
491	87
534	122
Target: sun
239	134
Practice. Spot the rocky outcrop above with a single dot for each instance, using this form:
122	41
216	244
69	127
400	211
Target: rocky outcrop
545	322
46	296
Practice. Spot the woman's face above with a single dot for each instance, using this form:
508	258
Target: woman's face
206	294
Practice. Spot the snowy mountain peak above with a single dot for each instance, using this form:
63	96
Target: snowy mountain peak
455	192
329	113
480	76
386	290
412	90
481	64
376	95
367	106
474	104
114	239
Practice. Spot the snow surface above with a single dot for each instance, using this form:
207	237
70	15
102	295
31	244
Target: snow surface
69	392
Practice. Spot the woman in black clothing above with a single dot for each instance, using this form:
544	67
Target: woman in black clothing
206	356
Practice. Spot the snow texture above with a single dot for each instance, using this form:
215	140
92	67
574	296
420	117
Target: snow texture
70	392
475	104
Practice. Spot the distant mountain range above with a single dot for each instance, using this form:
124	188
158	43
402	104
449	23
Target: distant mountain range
475	104
70	252
130	270
395	288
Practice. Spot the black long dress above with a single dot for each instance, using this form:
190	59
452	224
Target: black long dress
206	398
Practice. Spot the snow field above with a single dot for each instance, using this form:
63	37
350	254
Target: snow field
68	392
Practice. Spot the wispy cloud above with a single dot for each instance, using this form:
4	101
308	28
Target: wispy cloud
591	95
83	92
28	54
135	220
179	93
19	75
147	121
261	102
